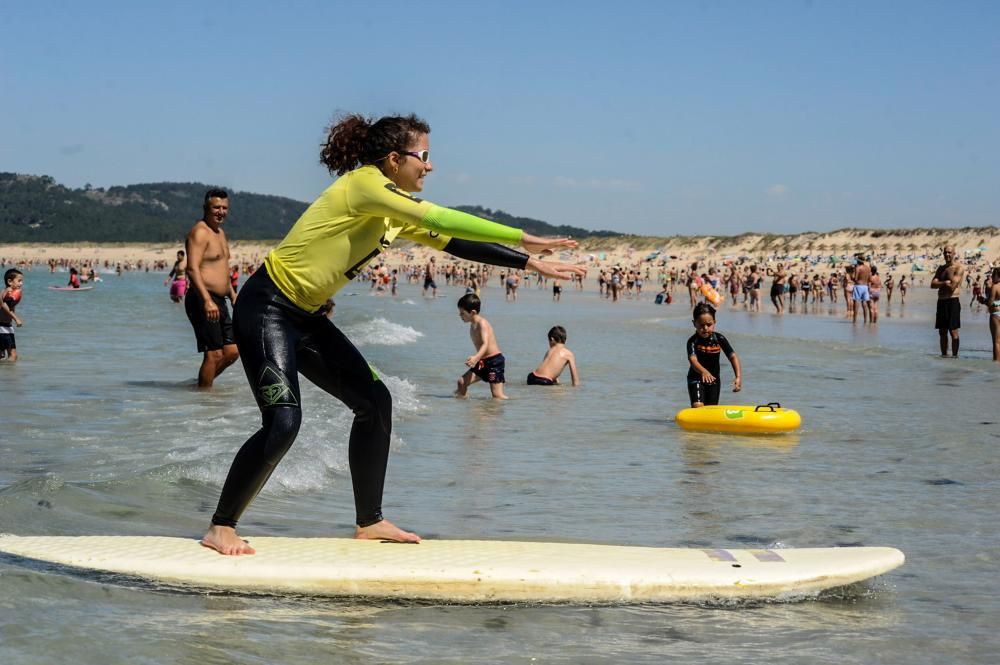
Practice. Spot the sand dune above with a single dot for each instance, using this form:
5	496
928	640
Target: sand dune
918	245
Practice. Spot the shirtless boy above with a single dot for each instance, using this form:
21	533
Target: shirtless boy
209	286
556	359
487	363
948	281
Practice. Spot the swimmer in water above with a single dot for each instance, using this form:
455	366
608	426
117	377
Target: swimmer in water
556	359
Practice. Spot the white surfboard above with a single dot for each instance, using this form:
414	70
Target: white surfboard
469	570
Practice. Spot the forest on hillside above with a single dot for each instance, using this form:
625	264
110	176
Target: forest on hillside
38	209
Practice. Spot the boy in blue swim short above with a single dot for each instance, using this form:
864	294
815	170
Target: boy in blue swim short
487	363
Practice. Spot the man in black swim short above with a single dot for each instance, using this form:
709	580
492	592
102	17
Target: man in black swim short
210	285
429	283
210	335
948	319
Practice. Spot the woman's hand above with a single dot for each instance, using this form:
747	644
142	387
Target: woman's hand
555	269
706	377
538	245
737	384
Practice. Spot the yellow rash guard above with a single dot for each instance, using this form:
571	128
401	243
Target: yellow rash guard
355	220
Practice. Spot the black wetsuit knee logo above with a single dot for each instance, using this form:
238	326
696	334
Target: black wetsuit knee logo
273	389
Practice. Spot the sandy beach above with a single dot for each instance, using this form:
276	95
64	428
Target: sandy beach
910	250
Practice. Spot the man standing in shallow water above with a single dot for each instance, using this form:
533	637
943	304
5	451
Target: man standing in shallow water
209	286
860	294
948	281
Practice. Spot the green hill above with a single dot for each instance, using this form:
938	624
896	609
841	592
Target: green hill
534	226
38	209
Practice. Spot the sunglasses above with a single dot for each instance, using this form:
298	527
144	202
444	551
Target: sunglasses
423	155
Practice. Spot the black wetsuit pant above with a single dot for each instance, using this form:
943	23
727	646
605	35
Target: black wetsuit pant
278	341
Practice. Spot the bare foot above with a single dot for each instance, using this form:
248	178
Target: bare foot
385	530
460	389
223	539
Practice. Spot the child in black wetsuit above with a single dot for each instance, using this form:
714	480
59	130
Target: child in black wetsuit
703	349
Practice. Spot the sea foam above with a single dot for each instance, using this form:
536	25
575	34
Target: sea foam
381	332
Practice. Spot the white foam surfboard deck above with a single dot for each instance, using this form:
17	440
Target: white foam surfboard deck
468	570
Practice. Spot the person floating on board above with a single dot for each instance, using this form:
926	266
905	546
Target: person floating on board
703	349
281	330
664	295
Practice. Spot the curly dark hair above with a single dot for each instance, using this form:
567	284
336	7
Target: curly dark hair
353	140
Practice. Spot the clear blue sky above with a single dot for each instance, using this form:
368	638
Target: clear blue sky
655	118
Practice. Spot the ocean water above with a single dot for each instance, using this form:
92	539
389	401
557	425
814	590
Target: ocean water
101	432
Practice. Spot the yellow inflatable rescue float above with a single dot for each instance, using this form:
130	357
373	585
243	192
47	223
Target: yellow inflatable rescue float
762	419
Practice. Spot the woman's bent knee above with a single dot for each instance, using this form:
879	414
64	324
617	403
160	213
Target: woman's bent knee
282	425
